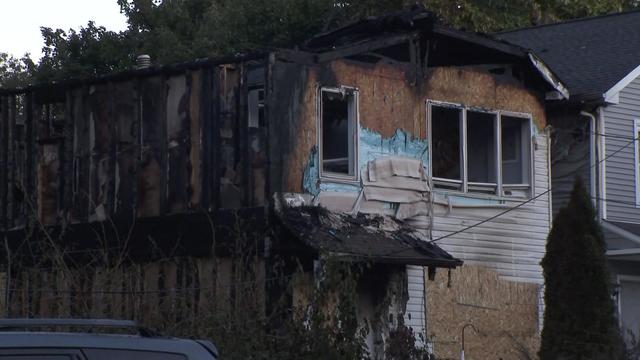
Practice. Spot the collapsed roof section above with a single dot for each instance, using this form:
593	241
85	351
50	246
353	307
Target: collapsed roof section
432	45
379	239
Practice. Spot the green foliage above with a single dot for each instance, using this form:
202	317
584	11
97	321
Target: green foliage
179	30
90	51
15	72
401	345
579	319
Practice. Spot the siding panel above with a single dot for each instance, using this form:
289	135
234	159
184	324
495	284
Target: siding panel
512	244
620	167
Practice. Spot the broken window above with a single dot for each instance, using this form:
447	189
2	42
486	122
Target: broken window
482	151
466	148
446	138
256	107
338	121
516	155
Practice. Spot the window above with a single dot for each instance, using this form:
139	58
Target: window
110	354
516	154
480	151
337	132
446	138
256	107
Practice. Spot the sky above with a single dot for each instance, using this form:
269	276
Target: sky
20	21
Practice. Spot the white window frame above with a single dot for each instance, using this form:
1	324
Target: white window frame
354	112
462	183
499	186
619	279
636	148
482	187
530	187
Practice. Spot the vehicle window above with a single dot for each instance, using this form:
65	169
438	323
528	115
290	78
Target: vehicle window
110	354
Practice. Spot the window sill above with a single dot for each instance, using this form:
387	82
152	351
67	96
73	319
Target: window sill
501	199
337	179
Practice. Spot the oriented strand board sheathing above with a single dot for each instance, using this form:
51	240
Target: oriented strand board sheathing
388	102
505	314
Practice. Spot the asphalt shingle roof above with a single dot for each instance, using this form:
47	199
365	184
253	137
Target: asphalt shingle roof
589	55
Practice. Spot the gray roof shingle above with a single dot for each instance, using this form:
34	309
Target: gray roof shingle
590	55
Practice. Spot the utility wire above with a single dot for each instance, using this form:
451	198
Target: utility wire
527	201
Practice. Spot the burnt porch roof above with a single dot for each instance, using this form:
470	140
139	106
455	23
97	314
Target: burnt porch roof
362	238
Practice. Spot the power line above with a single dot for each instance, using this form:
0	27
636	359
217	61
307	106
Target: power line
527	201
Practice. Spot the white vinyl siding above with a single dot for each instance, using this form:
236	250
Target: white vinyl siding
621	167
512	244
415	314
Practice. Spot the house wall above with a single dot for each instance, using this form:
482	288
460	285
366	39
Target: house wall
143	145
620	170
501	311
571	155
392	121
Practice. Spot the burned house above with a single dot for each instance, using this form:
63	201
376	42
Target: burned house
393	140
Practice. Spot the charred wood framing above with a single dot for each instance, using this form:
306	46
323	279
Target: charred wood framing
112	149
243	125
126	110
66	182
268	91
4	135
207	124
216	143
366	46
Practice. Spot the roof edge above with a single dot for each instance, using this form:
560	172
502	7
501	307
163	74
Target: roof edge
608	225
548	75
570	21
612	96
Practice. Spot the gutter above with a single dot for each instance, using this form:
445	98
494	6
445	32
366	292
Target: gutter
623	252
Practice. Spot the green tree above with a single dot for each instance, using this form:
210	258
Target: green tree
579	319
90	51
15	72
180	30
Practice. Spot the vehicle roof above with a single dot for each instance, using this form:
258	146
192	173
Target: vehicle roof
191	348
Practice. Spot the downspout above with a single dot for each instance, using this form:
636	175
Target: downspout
596	153
602	165
593	170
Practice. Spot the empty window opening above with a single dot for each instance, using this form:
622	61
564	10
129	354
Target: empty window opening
256	107
516	142
338	129
446	138
481	148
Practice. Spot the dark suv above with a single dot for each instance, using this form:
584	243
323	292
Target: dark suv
18	343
